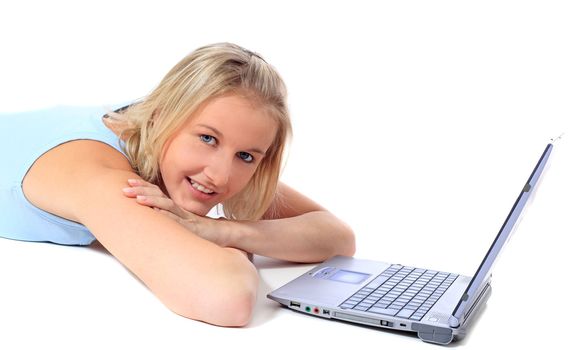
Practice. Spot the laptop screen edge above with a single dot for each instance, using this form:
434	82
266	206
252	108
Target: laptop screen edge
484	269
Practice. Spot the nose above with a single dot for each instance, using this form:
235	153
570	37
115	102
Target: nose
218	171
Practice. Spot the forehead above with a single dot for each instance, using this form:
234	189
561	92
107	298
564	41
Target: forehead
239	119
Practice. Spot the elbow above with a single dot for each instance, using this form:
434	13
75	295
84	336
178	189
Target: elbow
231	311
229	303
344	243
237	311
347	241
350	242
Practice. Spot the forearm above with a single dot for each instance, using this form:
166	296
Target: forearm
191	276
311	237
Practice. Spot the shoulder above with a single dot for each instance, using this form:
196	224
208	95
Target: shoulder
56	179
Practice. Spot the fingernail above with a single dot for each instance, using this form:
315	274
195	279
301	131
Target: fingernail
132	181
128	190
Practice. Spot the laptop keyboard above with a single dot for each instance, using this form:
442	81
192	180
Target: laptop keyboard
401	291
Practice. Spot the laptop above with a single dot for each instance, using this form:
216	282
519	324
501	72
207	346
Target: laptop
437	305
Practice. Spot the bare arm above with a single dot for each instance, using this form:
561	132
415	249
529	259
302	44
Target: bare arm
295	228
170	260
167	257
299	230
310	237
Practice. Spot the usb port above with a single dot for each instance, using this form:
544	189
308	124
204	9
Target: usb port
294	304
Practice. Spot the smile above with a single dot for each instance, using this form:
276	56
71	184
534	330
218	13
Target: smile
200	187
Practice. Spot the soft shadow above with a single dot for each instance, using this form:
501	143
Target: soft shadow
96	246
262	262
395	332
265	309
476	318
413	335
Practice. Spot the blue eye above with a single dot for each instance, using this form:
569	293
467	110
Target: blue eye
208	139
246	157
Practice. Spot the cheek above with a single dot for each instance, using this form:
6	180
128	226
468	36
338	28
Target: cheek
179	155
175	159
241	178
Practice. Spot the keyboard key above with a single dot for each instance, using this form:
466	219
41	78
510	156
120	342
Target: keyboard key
387	312
400	287
377	282
405	313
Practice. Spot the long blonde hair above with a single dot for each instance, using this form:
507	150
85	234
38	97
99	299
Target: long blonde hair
208	72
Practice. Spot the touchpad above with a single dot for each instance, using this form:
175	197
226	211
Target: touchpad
339	275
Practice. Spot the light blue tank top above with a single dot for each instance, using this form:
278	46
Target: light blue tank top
24	137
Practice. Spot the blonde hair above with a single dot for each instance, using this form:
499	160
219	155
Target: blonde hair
208	72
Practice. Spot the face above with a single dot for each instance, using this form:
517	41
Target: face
216	152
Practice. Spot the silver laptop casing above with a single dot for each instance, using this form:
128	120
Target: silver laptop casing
318	294
325	296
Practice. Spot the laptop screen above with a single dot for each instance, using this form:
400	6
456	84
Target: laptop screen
485	267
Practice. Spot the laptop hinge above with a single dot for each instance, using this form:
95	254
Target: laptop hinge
432	334
454	322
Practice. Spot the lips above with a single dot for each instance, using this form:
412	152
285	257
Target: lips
200	188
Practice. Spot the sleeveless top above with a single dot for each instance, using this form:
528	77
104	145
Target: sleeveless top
25	137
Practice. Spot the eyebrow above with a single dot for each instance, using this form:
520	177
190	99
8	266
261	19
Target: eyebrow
220	135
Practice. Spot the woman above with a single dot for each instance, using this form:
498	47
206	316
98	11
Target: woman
142	179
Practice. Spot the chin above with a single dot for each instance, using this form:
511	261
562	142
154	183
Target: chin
200	212
197	210
196	207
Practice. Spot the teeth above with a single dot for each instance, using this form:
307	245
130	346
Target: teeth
200	187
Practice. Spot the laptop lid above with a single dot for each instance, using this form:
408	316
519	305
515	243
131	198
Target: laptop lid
486	265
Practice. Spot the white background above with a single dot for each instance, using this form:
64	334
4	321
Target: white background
417	122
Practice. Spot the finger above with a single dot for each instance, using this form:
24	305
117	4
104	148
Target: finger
133	192
149	191
141	183
129	192
137	182
162	203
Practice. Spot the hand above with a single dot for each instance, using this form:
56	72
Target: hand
148	194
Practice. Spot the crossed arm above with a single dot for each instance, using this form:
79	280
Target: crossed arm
300	230
167	253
